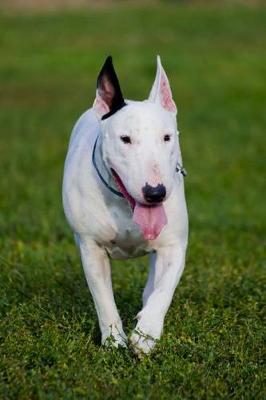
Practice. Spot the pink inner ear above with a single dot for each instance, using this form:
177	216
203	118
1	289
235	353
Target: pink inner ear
100	107
166	94
107	92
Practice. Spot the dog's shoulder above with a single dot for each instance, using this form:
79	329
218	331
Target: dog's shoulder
86	127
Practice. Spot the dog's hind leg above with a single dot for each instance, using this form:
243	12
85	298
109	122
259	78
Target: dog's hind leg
166	270
98	275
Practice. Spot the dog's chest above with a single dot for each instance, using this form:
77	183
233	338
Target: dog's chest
126	249
128	241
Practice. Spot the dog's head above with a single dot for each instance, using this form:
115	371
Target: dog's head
140	145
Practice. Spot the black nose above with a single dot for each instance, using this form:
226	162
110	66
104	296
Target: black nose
154	194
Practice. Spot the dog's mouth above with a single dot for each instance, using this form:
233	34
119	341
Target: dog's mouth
151	219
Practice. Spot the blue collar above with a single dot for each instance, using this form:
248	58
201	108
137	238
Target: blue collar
179	168
99	173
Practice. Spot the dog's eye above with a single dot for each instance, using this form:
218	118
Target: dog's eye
125	139
167	138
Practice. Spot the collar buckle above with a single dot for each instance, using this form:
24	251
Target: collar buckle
180	168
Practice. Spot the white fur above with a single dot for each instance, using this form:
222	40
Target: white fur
102	222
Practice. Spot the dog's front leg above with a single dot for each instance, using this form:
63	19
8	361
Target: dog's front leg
98	275
166	269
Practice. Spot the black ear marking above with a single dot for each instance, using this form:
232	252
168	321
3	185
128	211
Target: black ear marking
109	89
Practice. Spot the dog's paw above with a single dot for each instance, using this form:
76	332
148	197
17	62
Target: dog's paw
142	343
114	337
114	341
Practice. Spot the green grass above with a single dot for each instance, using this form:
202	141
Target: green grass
212	345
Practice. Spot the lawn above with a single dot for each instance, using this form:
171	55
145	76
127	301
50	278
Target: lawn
212	345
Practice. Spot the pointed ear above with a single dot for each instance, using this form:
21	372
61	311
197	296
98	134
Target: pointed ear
161	92
109	98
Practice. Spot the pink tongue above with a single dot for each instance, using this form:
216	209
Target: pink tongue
150	219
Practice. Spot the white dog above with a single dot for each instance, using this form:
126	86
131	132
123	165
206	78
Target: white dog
123	196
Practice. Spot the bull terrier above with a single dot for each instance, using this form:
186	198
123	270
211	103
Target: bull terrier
123	196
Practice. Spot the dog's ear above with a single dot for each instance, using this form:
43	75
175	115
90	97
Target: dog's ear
161	92
109	98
